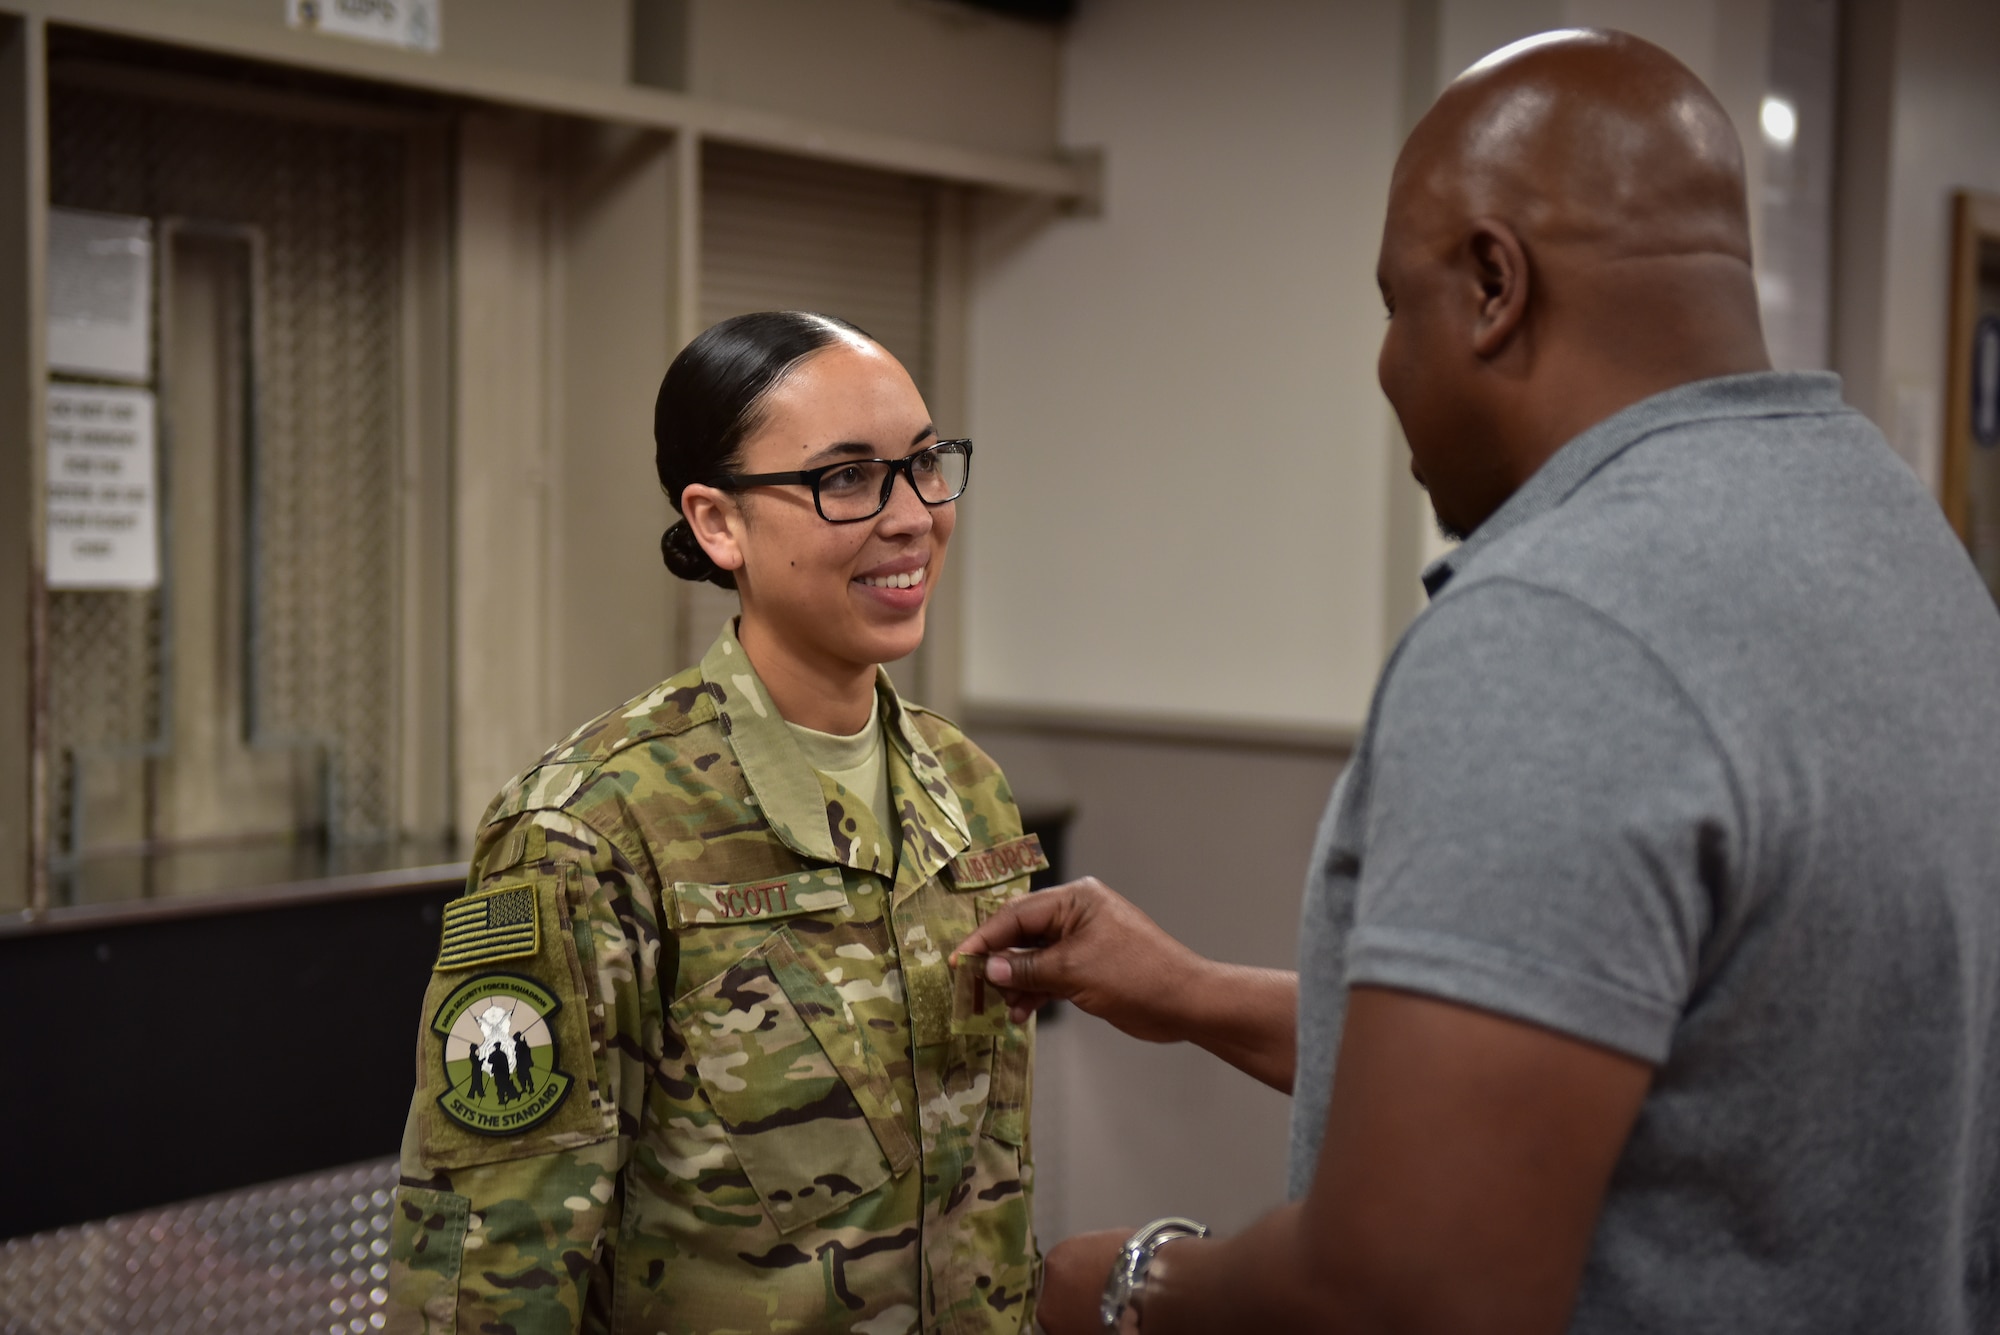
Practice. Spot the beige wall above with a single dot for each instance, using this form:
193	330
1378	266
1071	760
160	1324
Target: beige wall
1924	121
1212	840
1178	507
1182	443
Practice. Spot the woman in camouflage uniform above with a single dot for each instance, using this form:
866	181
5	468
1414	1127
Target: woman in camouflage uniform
750	1096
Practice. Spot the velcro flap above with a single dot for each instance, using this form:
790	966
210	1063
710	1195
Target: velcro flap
978	868
820	890
524	843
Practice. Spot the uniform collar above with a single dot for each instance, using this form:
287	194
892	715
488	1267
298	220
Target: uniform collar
787	788
1760	394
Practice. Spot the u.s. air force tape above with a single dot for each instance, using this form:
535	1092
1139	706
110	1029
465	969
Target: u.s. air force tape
978	868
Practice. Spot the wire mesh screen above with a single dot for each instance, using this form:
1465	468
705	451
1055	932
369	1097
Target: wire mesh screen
106	682
299	1257
322	462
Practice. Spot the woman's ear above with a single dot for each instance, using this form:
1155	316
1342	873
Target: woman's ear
716	520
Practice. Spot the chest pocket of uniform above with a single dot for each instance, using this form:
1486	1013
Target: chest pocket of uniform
805	1103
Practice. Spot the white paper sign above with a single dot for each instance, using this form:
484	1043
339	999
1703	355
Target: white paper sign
100	294
103	498
412	24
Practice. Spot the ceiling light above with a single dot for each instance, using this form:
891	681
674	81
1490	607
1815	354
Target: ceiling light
1780	121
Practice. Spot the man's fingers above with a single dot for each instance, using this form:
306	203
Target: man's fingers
1020	1005
1029	918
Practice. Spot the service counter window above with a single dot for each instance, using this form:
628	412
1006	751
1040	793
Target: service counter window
244	539
379	523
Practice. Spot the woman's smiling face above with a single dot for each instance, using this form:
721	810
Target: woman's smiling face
837	597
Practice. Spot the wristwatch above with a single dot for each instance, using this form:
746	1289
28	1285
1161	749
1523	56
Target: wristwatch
1128	1272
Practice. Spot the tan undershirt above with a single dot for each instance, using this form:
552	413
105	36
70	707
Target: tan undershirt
857	763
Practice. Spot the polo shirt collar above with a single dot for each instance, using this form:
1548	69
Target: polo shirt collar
1759	394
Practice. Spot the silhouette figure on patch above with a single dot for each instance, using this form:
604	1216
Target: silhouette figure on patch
503	1078
524	1064
476	1087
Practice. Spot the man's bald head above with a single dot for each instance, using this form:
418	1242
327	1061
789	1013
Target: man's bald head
1567	233
1583	138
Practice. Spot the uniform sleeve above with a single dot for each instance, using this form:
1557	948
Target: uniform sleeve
1550	824
510	1175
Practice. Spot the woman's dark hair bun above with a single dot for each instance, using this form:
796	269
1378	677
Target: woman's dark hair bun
709	402
685	556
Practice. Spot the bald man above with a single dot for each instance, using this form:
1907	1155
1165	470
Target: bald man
1656	920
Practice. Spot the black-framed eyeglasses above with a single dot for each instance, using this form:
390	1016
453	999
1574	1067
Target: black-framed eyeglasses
857	489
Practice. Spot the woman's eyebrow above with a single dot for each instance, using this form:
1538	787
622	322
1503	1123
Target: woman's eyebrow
846	449
860	449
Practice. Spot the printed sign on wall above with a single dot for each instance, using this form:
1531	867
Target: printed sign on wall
412	24
103	498
100	294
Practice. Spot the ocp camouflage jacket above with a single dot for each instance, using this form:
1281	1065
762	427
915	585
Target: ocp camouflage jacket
693	1059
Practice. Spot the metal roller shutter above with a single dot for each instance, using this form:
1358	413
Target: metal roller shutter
782	233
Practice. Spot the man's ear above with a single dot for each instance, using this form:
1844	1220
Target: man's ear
1500	269
716	520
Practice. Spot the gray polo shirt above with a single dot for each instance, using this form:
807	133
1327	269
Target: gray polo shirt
1695	754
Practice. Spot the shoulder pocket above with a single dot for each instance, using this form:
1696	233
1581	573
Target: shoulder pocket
426	1249
805	1103
508	1066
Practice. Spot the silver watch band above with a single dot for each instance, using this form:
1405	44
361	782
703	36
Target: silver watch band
1128	1272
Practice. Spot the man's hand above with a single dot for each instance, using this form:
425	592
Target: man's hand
1099	951
1073	1276
1088	944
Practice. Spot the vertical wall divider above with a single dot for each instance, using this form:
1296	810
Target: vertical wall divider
500	458
940	663
612	330
685	302
24	678
425	792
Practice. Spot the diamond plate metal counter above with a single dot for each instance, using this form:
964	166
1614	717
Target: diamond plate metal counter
307	1256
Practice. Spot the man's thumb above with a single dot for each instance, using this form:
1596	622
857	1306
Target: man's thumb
1020	970
1045	970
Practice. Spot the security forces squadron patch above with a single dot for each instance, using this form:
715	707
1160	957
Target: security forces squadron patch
499	1054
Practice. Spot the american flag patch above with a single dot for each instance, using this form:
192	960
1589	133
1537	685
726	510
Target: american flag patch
497	924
